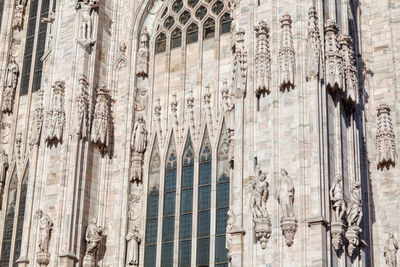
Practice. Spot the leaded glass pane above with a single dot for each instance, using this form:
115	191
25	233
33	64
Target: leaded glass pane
220	249
225	23
222	195
167	255
150	256
152	207
186	226
204	197
185	249
187	177
203	226
161	43
176	38
168	229
170	180
151	231
203	251
187	201
192	33
222	218
205	173
169	203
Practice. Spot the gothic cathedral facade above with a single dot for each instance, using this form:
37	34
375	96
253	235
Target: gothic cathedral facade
180	133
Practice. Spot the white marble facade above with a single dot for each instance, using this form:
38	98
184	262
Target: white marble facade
199	133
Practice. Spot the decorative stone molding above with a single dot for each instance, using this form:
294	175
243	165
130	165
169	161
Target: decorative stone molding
285	196
313	51
287	63
10	85
349	67
262	60
82	108
143	54
18	19
37	120
333	58
338	209
93	237
207	104
385	139
101	123
390	251
239	72
138	148
227	98
354	216
45	229
86	21
258	205
55	116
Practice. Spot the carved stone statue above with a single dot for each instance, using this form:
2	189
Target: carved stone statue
262	60
10	85
93	237
333	58
101	126
82	108
86	18
18	19
349	67
138	146
55	118
143	54
239	77
50	20
286	194
286	55
134	238
313	52
354	216
390	251
336	195
258	206
37	120
45	228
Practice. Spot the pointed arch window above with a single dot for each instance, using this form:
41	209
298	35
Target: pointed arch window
222	203
152	208
209	29
226	22
161	43
192	34
186	209
176	38
168	221
204	204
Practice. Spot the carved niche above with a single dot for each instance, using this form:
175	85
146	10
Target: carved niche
101	120
338	208
287	63
262	60
385	138
390	251
37	120
239	73
82	108
333	58
354	216
258	206
134	237
285	196
138	148
313	51
10	85
55	117
86	21
143	54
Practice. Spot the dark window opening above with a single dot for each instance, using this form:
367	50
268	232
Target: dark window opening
192	34
226	21
161	43
176	38
209	29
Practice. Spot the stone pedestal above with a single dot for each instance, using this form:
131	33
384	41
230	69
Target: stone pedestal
352	236
262	227
43	258
289	228
337	230
89	261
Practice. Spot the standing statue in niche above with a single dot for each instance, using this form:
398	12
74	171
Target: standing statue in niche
10	85
45	228
86	19
339	207
133	237
258	206
94	235
143	54
285	198
354	216
390	251
138	147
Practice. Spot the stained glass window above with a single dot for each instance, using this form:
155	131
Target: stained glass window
161	43
223	172
167	248
152	208
204	204
209	28
9	222
186	211
176	38
225	23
